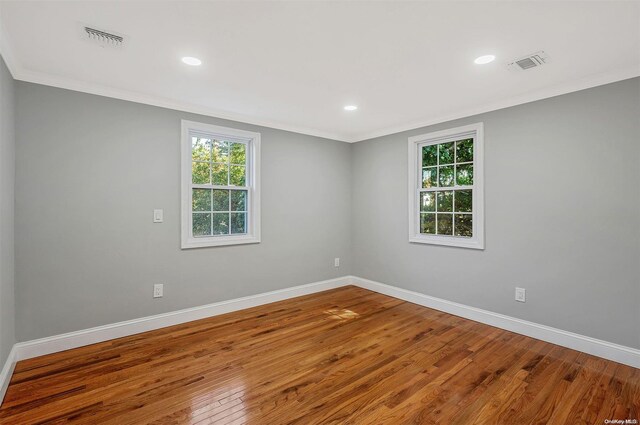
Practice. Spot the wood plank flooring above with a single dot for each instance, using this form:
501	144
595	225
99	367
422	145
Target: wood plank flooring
345	356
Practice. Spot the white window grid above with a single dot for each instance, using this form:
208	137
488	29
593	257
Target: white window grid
251	186
454	188
228	187
415	145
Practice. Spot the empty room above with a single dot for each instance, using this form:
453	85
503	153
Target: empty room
320	212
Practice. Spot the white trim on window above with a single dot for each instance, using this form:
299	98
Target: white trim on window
475	131
252	184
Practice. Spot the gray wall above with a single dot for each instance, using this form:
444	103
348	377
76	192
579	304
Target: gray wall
562	179
562	210
7	184
90	171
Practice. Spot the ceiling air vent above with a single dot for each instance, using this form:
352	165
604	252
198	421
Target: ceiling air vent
530	61
103	38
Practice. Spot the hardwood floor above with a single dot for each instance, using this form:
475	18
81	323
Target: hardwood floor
345	356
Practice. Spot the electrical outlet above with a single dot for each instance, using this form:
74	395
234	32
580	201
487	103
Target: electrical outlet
521	295
336	262
158	290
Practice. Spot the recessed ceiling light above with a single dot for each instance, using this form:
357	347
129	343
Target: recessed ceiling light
191	61
484	59
350	108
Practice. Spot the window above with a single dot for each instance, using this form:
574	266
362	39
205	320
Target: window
446	195
220	186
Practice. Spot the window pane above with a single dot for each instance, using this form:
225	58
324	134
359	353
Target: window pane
202	224
429	155
200	149
463	225
464	174
238	153
238	223
464	200
464	150
220	223
201	199
429	177
446	176
220	151
237	177
445	201
220	174
428	223
446	152
220	200
428	201
445	224
200	173
238	200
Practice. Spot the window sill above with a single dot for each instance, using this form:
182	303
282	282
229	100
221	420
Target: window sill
447	241
219	241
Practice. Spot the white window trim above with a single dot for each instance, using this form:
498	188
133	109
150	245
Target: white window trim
415	184
253	183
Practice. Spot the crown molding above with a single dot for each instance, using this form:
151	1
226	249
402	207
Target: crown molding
132	96
557	90
20	73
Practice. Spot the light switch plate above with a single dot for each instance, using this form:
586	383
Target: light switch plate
158	216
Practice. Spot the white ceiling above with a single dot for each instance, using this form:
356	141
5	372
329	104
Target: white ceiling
294	65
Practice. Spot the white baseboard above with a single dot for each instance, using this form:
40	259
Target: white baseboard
608	350
52	344
39	347
7	371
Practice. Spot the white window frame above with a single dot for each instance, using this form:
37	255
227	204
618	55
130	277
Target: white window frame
415	186
252	140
